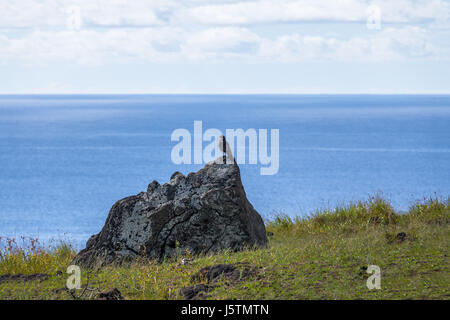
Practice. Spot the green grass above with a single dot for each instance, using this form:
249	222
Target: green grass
322	256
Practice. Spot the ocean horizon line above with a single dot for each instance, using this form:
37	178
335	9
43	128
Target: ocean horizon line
225	94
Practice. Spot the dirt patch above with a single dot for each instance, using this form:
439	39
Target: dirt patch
24	277
213	274
401	236
229	272
113	294
196	292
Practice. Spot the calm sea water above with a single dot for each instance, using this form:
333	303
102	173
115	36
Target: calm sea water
64	160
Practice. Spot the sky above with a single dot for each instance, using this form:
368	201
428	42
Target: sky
225	46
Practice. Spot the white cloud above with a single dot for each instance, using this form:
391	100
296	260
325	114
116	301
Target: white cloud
168	30
90	47
215	43
276	11
126	13
388	44
173	44
268	11
94	13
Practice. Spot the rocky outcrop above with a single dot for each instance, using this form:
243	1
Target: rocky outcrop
203	212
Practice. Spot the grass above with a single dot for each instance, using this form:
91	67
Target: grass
322	256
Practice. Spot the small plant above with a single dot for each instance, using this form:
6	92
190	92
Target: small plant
432	210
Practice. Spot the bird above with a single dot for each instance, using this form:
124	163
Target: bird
225	148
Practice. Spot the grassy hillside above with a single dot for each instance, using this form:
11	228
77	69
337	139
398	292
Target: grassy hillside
324	256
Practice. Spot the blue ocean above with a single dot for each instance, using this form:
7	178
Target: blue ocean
65	159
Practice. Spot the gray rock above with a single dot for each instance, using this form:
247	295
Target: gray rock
203	212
